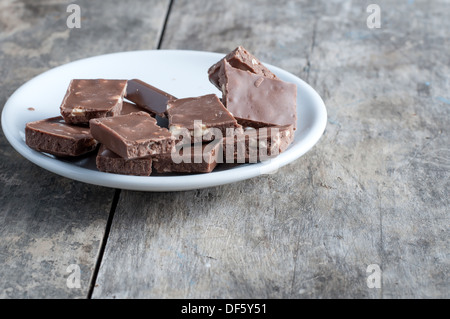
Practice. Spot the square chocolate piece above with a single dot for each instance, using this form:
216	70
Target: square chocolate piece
195	158
200	116
109	162
56	137
148	97
240	59
256	145
132	136
89	99
256	101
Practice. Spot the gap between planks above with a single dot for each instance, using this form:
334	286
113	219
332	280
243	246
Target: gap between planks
118	191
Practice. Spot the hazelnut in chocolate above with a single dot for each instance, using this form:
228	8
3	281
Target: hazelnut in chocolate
88	99
54	136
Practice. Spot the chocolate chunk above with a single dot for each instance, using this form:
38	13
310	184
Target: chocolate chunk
240	59
128	108
256	145
287	136
256	101
54	136
110	162
88	99
202	116
132	136
148	97
196	158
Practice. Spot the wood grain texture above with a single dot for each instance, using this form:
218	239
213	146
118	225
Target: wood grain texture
48	222
373	191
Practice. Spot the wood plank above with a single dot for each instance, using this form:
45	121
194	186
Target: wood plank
48	222
373	191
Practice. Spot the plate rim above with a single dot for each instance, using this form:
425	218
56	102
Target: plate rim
168	183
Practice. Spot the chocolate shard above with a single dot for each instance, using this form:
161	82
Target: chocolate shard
202	116
56	137
254	145
109	162
88	99
195	158
240	59
148	97
133	135
256	101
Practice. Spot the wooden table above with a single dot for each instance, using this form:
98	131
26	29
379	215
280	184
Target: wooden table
370	201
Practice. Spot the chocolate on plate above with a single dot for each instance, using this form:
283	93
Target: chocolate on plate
254	145
148	97
240	59
201	116
55	136
109	162
153	131
257	101
195	158
133	135
88	99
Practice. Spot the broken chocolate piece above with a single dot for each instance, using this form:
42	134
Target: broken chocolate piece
132	136
128	108
195	158
54	136
88	99
109	162
148	97
202	116
240	59
256	145
256	101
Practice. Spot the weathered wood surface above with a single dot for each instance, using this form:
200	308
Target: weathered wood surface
375	190
48	222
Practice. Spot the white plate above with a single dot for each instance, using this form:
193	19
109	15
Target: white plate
181	73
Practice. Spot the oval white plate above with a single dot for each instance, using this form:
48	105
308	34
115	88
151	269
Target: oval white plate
181	73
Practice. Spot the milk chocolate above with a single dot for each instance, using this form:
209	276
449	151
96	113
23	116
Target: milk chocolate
148	97
132	136
128	108
256	101
88	99
195	158
55	136
240	59
256	145
200	115
109	162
